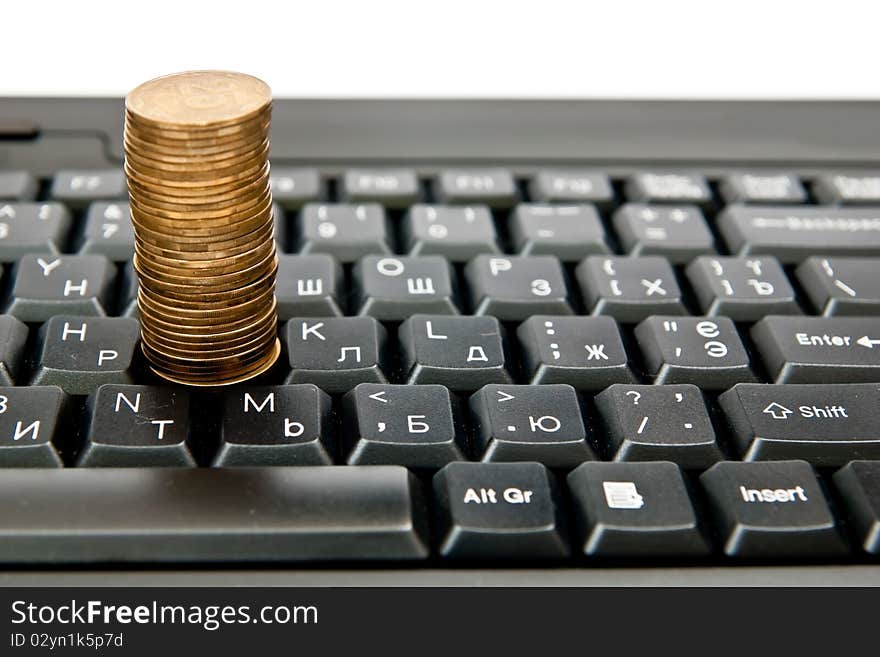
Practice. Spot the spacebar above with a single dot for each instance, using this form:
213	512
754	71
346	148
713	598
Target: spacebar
210	515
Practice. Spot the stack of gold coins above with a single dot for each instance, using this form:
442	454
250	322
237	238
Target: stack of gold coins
196	159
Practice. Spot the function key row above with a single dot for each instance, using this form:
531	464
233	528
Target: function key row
497	187
426	427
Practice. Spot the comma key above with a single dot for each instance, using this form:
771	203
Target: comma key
826	424
819	349
400	425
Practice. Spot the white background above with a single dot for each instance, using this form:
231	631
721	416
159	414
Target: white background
543	48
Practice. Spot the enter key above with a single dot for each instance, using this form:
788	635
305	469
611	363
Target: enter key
819	349
827	425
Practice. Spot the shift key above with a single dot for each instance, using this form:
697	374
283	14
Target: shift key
826	424
795	233
819	349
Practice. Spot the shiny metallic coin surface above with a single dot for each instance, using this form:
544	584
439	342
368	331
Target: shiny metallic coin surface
197	166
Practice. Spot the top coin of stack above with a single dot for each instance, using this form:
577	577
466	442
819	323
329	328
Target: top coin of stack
196	160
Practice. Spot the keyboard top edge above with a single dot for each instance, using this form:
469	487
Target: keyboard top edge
551	131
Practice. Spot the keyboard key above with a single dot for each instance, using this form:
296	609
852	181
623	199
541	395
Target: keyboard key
18	186
658	423
584	352
629	289
347	232
841	286
651	187
134	426
13	336
571	186
78	188
793	234
294	187
399	425
825	424
78	354
514	288
568	232
56	285
308	286
859	486
390	288
705	352
29	422
766	188
819	349
212	515
32	228
461	353
128	293
744	289
108	231
770	509
679	233
458	233
498	510
634	509
393	188
335	353
530	423
848	189
494	187
276	425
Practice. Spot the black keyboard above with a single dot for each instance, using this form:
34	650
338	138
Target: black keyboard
515	335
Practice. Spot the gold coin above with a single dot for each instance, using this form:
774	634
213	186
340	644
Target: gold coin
198	99
185	284
193	137
203	169
196	162
204	214
202	187
197	346
231	378
199	233
186	200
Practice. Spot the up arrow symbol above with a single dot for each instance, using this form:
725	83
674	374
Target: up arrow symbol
778	411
